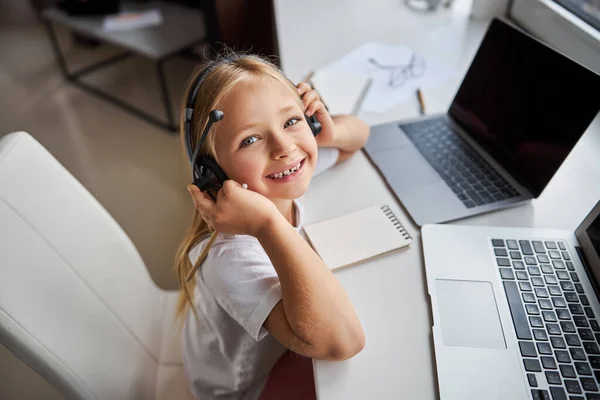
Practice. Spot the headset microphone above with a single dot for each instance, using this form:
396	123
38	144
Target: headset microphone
213	116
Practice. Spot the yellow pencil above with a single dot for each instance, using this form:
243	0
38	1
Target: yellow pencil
421	101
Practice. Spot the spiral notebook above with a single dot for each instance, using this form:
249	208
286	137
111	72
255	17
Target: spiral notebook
358	236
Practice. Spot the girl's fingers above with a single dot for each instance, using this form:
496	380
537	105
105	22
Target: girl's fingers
310	97
202	201
302	88
228	186
316	106
225	190
221	195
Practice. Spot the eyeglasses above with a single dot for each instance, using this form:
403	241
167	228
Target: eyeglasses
401	73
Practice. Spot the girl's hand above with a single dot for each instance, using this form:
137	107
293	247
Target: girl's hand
314	105
237	211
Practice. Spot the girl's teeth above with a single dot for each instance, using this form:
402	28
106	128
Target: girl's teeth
287	172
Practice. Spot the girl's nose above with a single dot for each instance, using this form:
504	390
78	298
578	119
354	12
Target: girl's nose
282	145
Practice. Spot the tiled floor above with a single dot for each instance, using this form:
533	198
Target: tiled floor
135	169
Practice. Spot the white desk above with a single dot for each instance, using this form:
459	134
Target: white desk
390	293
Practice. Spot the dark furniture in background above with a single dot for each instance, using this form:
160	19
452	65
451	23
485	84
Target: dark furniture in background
240	24
181	29
237	24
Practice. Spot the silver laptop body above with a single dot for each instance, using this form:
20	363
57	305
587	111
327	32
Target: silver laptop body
510	112
419	186
482	311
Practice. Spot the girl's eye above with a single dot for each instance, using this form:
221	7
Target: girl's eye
248	141
251	139
291	121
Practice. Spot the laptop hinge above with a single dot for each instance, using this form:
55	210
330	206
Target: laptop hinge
490	152
588	271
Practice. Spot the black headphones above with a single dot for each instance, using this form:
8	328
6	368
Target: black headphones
206	173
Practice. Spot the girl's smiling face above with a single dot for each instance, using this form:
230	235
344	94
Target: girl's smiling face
263	134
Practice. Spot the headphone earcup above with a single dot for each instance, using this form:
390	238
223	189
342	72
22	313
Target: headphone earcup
313	122
209	176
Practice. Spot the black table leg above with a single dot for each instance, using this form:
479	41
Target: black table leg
60	59
165	94
74	78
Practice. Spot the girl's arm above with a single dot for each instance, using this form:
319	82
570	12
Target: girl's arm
315	317
351	135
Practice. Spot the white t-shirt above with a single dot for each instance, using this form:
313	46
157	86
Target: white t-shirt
227	353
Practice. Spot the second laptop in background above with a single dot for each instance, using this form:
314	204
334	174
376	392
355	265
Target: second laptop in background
518	113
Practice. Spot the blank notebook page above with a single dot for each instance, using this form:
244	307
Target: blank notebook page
358	236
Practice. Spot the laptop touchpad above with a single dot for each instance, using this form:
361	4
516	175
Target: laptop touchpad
406	167
469	314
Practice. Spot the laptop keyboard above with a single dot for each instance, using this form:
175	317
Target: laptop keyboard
473	181
558	331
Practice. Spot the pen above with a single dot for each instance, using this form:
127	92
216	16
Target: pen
421	102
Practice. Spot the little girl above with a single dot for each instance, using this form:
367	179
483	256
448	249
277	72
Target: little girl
261	289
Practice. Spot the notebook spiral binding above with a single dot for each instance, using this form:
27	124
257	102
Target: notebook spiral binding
390	214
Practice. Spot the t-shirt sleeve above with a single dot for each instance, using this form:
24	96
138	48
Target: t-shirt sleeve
328	156
244	282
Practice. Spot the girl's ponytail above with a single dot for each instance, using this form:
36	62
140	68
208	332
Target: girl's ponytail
183	265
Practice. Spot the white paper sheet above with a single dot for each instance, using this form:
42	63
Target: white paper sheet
127	21
396	73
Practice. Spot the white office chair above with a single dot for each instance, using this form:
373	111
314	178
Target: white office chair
76	301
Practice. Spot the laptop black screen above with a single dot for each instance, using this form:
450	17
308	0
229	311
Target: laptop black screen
526	104
593	232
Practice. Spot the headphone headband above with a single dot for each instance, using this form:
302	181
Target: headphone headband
189	112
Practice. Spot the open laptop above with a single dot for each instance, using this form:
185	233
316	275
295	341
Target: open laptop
516	311
519	111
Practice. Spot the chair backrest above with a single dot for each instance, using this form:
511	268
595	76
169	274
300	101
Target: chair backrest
76	301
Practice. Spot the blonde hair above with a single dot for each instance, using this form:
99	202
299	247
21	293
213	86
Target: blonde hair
224	73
